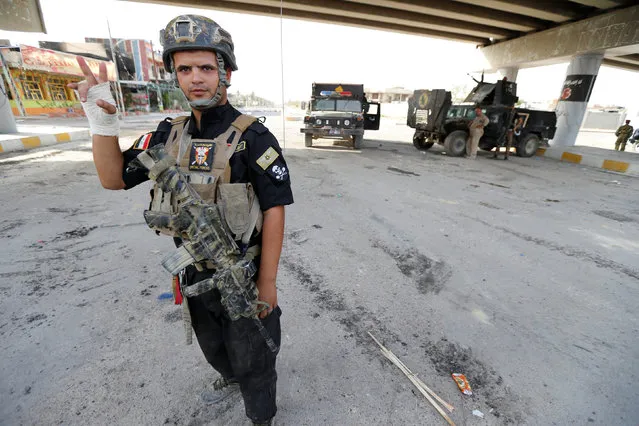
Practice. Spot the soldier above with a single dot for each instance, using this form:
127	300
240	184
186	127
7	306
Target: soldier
200	54
623	133
476	131
514	128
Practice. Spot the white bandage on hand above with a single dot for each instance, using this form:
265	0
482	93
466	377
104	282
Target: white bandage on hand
101	123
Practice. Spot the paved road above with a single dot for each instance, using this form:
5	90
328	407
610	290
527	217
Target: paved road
523	275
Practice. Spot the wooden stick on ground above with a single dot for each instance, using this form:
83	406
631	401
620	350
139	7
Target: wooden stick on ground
406	371
421	384
423	389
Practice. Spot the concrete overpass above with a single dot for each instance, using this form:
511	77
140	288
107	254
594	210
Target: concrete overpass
512	34
482	22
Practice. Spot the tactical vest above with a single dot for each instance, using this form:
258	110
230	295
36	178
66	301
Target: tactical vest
237	202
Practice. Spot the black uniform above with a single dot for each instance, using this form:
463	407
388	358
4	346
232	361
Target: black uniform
234	348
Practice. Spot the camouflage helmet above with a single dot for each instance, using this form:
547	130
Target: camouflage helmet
195	32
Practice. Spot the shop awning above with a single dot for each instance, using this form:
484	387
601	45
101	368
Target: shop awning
51	61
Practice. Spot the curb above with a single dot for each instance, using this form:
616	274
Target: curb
590	161
30	142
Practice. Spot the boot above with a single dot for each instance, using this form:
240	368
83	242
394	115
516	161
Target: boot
222	389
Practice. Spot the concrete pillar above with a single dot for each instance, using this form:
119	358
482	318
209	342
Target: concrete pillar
7	120
573	99
510	73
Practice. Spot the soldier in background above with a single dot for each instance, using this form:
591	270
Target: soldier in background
514	128
623	134
476	131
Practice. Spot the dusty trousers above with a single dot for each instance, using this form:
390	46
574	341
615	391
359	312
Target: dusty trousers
620	144
237	350
472	143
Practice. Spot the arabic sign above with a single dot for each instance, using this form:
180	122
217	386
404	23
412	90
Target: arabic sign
34	58
577	88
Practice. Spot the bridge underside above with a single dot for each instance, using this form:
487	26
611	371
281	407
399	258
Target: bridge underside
482	22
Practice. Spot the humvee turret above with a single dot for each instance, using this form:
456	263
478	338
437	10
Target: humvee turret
436	120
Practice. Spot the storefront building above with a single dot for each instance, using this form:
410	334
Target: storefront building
37	80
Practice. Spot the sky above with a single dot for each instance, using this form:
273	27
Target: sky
270	50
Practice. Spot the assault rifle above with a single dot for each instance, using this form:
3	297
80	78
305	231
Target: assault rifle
205	237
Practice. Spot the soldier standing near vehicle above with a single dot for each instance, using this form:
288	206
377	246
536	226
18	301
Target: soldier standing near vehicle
201	56
513	129
623	134
475	132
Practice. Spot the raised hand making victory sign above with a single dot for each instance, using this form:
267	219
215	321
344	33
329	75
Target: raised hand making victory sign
97	100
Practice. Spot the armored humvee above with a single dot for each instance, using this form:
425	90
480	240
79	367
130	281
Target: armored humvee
436	120
339	111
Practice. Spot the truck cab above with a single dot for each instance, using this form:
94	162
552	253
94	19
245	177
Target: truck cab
339	111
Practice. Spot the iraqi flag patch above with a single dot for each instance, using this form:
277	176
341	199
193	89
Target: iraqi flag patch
143	142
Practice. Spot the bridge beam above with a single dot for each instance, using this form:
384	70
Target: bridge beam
608	33
314	11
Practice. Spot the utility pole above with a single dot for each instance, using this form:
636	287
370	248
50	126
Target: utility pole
117	72
157	80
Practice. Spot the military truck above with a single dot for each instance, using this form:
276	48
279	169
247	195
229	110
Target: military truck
339	111
436	120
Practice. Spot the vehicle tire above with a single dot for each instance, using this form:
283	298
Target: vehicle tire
421	144
455	143
308	140
357	141
528	146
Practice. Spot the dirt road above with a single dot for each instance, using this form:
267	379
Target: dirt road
523	275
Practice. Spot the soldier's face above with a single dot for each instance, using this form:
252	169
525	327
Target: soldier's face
197	74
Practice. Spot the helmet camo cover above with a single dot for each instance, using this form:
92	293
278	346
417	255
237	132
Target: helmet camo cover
194	32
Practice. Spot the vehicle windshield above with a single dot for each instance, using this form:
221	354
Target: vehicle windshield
462	113
346	105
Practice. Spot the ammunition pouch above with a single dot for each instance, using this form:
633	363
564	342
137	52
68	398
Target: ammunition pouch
238	202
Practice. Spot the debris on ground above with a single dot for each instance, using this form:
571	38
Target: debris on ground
478	414
423	389
462	383
165	296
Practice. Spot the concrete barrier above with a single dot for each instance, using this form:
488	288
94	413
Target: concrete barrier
620	162
29	142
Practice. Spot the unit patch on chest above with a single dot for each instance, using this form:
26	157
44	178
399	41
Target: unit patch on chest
201	158
267	158
240	146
